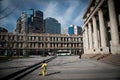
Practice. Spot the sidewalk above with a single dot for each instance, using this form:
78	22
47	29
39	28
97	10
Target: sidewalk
73	68
14	65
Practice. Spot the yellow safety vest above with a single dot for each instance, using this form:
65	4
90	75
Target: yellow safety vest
44	66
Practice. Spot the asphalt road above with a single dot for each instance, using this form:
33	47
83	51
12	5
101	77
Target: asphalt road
73	68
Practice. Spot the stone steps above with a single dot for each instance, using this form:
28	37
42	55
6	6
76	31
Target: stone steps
112	59
106	58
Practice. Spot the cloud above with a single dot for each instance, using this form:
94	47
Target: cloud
51	10
67	12
66	19
78	19
70	10
7	23
8	15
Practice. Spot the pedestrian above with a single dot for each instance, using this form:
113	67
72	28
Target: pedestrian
81	52
44	68
80	56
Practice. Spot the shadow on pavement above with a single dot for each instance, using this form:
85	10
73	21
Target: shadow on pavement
51	73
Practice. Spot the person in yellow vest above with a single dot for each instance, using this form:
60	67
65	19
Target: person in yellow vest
44	68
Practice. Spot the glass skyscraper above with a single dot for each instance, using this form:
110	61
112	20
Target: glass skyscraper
52	26
31	21
74	30
71	30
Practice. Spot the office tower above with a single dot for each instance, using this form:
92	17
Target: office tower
65	31
52	26
30	21
74	30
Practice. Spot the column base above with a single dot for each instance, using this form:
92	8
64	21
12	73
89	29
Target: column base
89	51
115	49
97	51
104	50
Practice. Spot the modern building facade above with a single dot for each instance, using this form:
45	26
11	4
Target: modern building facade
102	27
30	21
65	31
21	26
71	30
74	30
37	24
33	43
52	26
77	30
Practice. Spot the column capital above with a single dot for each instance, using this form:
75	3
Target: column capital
99	9
94	19
89	23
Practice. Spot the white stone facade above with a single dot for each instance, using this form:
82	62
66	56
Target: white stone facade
101	27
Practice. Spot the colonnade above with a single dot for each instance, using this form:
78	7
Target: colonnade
95	31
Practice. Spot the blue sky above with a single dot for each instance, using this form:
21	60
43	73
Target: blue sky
67	12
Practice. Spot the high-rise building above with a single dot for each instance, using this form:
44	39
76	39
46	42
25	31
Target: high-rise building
21	26
77	30
74	30
37	25
30	22
65	31
71	30
18	26
52	26
30	15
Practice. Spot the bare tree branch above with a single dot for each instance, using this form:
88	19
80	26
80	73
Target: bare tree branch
7	11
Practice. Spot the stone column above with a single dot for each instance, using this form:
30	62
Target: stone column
113	23
102	29
95	32
86	37
84	42
90	35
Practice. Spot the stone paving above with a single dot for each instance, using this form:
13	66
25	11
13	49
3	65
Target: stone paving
14	65
73	68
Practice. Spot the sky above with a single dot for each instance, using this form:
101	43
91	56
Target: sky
67	12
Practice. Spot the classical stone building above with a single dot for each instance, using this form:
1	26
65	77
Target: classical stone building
102	27
34	43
